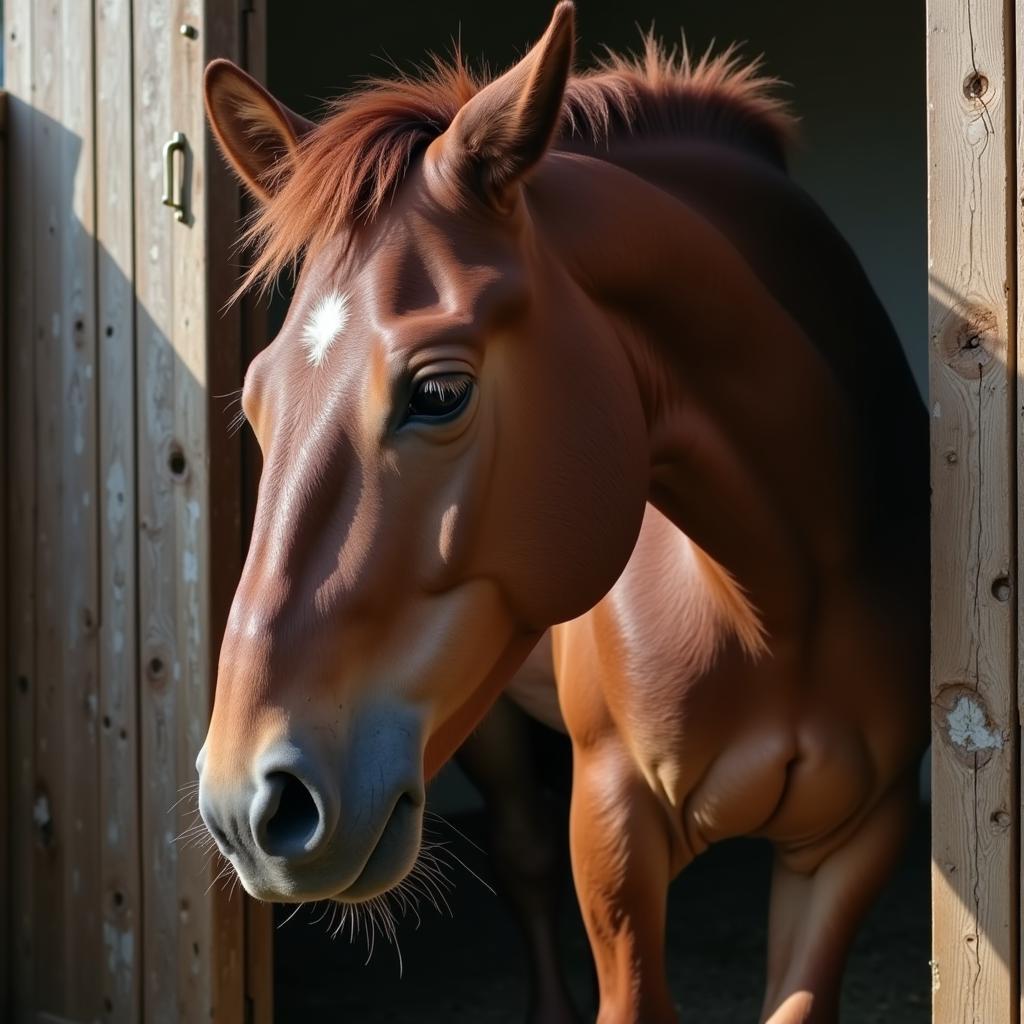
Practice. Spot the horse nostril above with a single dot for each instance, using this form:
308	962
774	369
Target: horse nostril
290	823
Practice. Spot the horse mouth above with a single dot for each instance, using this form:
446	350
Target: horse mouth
392	856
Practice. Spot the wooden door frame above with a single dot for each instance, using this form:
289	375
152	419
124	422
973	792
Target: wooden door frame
974	400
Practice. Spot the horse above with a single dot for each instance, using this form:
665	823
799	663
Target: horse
538	316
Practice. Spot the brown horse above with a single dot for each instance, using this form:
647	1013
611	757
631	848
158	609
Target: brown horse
526	308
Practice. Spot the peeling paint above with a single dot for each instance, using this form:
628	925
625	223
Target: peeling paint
937	411
969	729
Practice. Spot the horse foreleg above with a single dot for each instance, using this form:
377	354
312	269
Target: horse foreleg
621	866
526	855
814	917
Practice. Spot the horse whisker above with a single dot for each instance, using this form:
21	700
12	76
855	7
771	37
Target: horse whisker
298	907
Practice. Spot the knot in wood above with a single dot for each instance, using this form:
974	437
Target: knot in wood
975	86
969	339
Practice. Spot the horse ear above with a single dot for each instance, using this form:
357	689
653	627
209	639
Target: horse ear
507	127
255	132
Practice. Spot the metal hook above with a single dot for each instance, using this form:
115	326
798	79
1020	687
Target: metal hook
176	143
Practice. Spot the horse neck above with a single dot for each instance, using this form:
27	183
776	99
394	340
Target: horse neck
744	417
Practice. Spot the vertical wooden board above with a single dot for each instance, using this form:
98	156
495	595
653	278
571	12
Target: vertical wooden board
77	568
158	560
206	946
64	805
975	724
21	679
193	935
5	894
121	897
48	806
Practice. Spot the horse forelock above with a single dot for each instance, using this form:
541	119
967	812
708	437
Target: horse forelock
350	166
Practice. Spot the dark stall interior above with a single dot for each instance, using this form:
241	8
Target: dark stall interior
856	79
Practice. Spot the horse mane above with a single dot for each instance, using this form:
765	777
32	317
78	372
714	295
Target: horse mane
349	167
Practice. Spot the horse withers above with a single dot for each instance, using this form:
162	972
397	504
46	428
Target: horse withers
527	308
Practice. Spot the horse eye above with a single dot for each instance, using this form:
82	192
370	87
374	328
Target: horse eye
439	398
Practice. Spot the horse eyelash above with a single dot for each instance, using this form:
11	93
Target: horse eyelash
447	386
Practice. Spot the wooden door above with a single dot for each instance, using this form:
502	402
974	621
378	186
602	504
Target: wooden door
123	534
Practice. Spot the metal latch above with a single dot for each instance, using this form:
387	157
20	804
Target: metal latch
174	196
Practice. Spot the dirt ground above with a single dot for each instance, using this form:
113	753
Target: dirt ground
469	969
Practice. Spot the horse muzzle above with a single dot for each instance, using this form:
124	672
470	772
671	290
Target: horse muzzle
297	828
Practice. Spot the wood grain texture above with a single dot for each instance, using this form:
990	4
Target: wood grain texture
121	896
971	377
123	513
49	805
64	808
170	916
188	520
76	576
20	412
6	935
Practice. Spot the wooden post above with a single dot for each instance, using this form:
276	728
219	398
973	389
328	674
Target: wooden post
975	785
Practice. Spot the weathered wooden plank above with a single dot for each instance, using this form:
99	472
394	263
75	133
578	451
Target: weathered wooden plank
5	807
975	734
121	897
159	562
194	941
207	946
77	570
59	159
20	678
48	806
